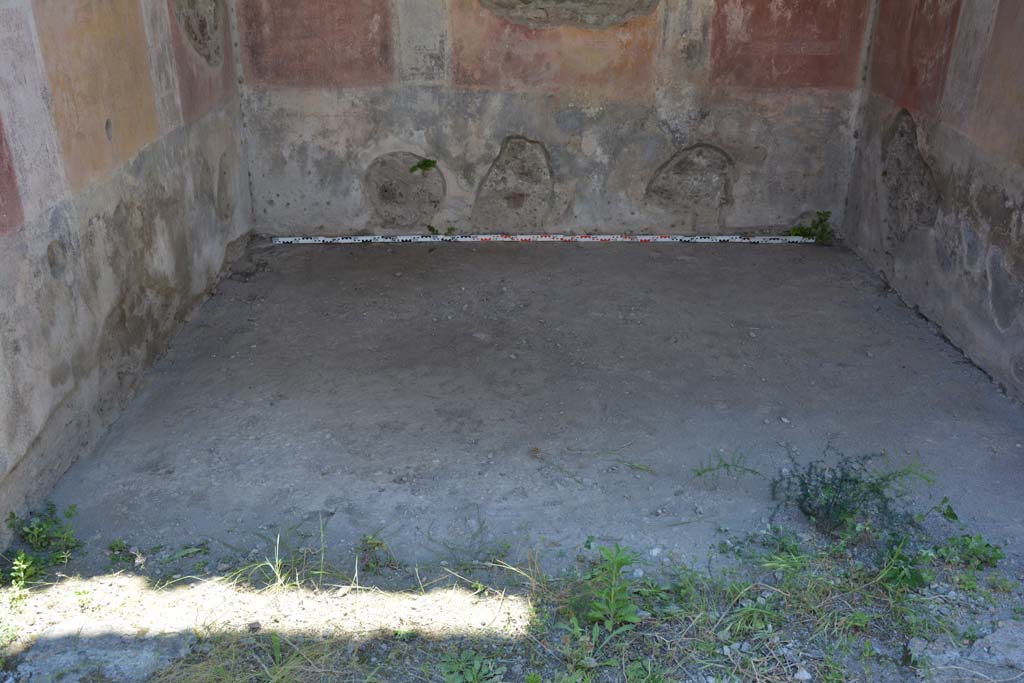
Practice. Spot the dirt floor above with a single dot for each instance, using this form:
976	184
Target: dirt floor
472	402
457	397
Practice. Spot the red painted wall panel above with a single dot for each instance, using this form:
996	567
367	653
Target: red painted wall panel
317	43
911	51
202	86
788	43
494	53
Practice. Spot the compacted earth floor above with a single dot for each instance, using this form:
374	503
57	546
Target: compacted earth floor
375	407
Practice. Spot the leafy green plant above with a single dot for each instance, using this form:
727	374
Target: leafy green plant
48	532
581	647
52	540
612	604
423	165
820	229
470	667
973	552
25	570
901	571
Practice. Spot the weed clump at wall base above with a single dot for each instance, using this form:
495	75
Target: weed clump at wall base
820	229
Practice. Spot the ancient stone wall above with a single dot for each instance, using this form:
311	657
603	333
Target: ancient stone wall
937	195
120	190
549	115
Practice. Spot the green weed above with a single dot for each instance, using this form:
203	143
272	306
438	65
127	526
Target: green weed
423	165
470	667
287	567
120	553
735	466
849	498
48	532
191	551
612	605
645	671
450	231
820	229
26	569
375	555
973	552
52	540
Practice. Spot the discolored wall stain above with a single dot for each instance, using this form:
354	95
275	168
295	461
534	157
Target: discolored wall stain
585	13
911	51
493	52
693	186
317	42
518	192
202	22
403	198
199	35
11	215
97	64
788	43
912	194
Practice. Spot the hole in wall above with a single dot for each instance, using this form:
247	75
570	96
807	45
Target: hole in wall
57	258
108	128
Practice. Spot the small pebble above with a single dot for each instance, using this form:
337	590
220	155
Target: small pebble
785	420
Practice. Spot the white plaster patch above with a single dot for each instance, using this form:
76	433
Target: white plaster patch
162	67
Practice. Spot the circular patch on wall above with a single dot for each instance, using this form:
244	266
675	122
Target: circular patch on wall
201	21
405	190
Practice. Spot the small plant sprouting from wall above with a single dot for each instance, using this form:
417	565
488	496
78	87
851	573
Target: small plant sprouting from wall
423	166
820	229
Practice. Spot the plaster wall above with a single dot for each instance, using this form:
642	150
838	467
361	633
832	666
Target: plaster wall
696	116
120	192
937	195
